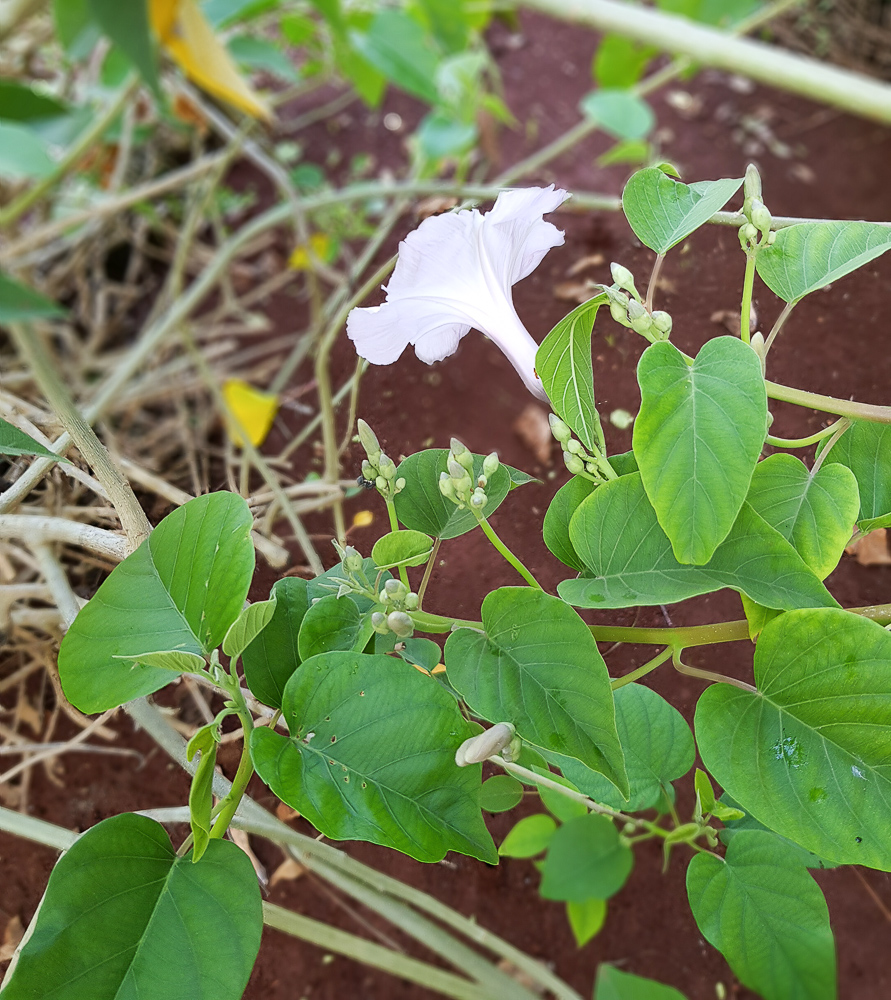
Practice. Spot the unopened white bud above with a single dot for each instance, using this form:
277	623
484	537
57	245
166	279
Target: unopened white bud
387	467
619	313
352	559
446	486
482	746
574	447
395	589
461	454
411	601
490	464
400	623
379	623
575	465
558	428
479	499
380	483
369	440
662	322
752	183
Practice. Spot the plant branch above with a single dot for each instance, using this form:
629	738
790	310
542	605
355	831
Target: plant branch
489	532
806	442
829	404
778	325
38	528
745	311
642	670
707	675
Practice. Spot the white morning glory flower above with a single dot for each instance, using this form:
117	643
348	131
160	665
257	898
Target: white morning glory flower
454	273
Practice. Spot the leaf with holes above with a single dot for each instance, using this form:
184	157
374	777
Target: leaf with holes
809	753
538	667
697	439
372	757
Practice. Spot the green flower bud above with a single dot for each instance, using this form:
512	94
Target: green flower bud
619	313
623	278
771	238
479	499
575	465
400	484
400	623
379	623
490	464
411	601
383	597
461	454
369	440
456	470
352	560
748	234
635	310
641	323
368	470
662	322
752	183
574	447
446	486
380	483
760	217
395	589
482	482
558	428
387	467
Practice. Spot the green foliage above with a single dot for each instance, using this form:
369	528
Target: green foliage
563	363
23	155
401	548
866	450
586	919
812	511
764	912
127	25
500	793
810	255
663	211
557	519
180	590
421	507
247	626
585	859
397	46
271	658
619	112
16	442
697	438
612	984
333	623
529	837
658	748
537	667
204	742
808	754
260	54
628	558
124	916
619	61
371	756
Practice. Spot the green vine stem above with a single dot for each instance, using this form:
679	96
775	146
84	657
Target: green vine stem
829	404
707	675
394	526
642	670
745	311
806	442
778	325
489	532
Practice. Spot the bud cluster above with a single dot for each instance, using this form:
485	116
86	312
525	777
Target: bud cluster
575	455
397	601
354	580
627	307
378	468
459	484
756	232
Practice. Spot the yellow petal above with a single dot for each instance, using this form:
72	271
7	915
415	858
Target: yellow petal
188	37
254	410
322	247
362	518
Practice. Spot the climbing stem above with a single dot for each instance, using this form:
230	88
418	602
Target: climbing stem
643	669
745	312
394	526
239	784
806	442
489	532
707	675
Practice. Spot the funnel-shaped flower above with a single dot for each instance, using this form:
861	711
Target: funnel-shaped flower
455	272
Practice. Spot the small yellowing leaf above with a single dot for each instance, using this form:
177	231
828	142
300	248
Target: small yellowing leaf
423	670
438	669
187	35
254	410
321	246
362	518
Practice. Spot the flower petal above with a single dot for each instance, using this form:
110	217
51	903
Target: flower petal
378	338
517	233
382	333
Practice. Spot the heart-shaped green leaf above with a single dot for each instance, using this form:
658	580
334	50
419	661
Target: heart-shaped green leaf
402	548
816	513
697	438
865	448
372	757
762	910
662	211
333	623
810	255
528	837
422	507
247	626
658	747
272	657
538	667
630	562
808	755
585	859
563	363
180	590
124	916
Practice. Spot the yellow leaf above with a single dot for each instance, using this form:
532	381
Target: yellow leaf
362	518
187	35
322	248
254	410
